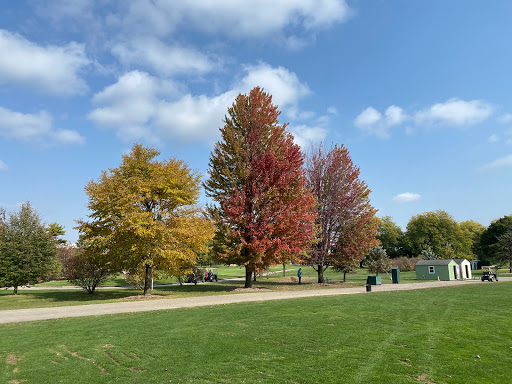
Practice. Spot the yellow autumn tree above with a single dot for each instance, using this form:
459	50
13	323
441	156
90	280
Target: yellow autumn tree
145	214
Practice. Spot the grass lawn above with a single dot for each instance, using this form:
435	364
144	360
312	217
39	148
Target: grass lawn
34	298
424	336
222	271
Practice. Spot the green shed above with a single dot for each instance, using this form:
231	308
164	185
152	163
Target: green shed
434	269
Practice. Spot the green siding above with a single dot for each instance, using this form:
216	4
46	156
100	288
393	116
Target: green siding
445	272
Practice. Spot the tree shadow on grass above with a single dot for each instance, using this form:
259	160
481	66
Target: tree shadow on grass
45	297
200	288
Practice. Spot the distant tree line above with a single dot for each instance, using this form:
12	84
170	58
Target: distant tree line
433	235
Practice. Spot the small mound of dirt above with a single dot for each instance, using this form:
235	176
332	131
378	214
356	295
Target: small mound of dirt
144	297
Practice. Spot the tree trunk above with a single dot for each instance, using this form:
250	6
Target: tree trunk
284	270
147	280
255	275
344	277
248	276
510	266
15	290
320	270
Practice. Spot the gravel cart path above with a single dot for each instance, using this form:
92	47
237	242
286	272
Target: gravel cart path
21	315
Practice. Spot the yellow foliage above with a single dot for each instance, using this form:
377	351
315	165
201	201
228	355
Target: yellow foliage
145	212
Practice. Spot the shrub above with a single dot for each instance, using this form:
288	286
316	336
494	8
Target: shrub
405	263
86	269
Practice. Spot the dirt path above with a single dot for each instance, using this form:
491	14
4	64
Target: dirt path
21	315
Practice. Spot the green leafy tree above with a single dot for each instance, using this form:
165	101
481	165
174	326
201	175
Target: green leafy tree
350	267
473	231
145	213
487	253
378	260
262	209
447	252
439	231
56	230
390	236
503	249
27	250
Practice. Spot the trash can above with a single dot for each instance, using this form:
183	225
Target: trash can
374	280
395	274
368	288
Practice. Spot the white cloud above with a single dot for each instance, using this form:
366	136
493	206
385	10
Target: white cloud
164	59
35	128
455	112
406	197
138	105
60	9
66	136
498	163
394	116
368	117
255	18
3	166
283	85
332	111
506	118
263	17
493	138
53	69
193	118
295	43
374	123
304	135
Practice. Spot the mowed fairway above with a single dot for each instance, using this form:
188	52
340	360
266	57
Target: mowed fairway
424	336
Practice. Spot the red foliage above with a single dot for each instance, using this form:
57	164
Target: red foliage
268	208
346	220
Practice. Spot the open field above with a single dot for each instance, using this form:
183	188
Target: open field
424	336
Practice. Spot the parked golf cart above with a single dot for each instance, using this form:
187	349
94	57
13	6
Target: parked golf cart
210	275
196	276
489	273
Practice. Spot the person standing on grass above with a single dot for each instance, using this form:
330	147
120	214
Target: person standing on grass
299	274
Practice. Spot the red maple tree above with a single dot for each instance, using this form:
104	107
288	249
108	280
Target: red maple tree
264	213
346	220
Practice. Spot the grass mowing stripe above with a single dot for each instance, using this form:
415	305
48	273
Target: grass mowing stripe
394	337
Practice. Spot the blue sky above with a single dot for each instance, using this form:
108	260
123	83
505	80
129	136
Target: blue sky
418	91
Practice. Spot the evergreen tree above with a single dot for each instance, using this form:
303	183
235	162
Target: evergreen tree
428	254
378	261
27	250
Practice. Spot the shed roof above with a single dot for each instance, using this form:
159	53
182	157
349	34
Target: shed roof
458	261
435	262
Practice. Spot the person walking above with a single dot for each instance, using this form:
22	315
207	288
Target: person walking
299	274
